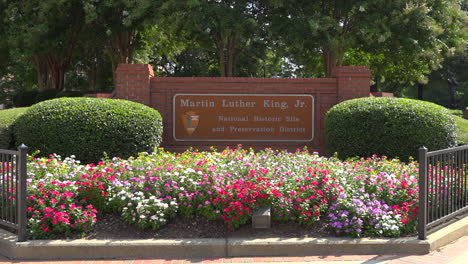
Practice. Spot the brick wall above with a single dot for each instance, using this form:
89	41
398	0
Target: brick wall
135	82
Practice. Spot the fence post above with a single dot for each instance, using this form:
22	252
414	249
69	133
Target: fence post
422	213
22	215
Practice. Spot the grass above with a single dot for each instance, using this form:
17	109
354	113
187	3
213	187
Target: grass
462	125
456	112
7	117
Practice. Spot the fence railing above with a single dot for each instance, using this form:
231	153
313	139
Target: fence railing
443	186
13	190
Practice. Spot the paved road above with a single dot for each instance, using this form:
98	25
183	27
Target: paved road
455	253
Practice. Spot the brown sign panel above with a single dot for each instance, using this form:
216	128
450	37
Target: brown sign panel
244	117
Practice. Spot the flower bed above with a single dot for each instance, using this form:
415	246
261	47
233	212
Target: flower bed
367	197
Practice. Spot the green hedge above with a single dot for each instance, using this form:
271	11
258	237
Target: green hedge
89	127
69	94
46	95
393	127
7	118
25	98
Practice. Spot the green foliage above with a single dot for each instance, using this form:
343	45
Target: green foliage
25	98
388	126
69	94
89	127
411	37
46	95
7	118
225	29
46	33
437	89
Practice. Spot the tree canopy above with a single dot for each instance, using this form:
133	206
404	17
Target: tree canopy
62	41
397	32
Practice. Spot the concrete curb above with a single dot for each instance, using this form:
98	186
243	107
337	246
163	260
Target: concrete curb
228	247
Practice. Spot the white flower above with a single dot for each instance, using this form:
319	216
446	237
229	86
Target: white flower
381	38
362	9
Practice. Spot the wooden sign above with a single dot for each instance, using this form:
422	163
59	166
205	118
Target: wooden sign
243	117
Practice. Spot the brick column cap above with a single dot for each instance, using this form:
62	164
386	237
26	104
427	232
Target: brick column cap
123	67
352	71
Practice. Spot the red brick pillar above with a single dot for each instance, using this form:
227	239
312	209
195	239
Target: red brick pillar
352	81
133	82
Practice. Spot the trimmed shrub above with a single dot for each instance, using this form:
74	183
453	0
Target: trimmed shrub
7	118
25	98
69	94
46	95
90	127
393	127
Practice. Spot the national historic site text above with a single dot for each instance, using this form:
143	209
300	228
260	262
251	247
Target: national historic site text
243	117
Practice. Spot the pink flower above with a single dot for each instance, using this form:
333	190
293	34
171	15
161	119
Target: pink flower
68	194
48	210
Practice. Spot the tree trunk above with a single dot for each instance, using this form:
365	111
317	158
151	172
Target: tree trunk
420	91
329	62
231	50
42	73
92	76
221	57
375	87
332	58
57	67
120	49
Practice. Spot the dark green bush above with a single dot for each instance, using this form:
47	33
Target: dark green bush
88	127
393	127
25	98
7	118
69	94
46	95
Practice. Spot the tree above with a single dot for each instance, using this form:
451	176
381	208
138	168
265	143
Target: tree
226	27
398	30
47	33
120	24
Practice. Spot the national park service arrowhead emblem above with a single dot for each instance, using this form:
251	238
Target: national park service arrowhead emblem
190	120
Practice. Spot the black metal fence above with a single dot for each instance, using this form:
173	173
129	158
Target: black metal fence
443	186
13	190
